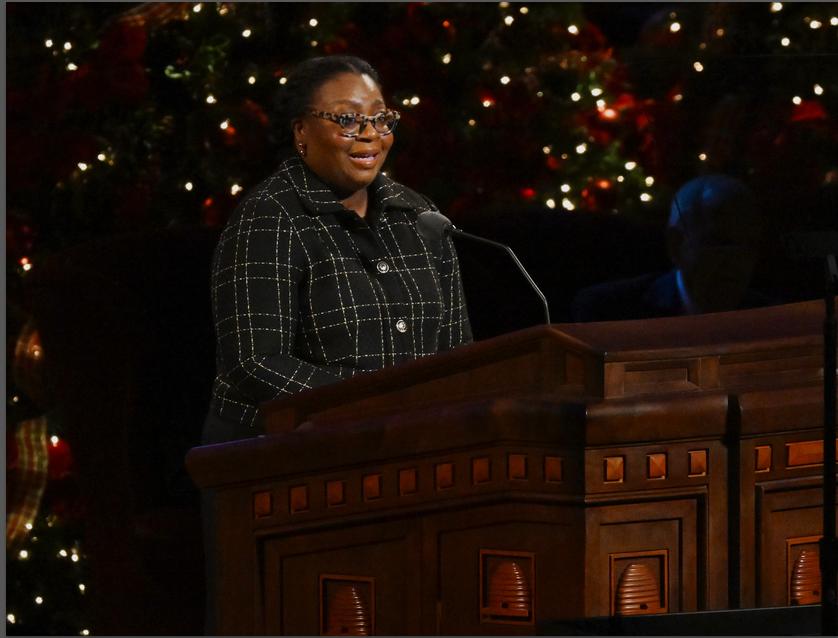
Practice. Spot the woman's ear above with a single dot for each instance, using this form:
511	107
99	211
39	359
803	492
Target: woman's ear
299	130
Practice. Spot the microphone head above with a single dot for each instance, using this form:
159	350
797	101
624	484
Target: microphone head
433	225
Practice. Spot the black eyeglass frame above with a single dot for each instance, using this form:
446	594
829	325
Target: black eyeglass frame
364	119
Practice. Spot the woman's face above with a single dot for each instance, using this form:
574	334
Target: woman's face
347	164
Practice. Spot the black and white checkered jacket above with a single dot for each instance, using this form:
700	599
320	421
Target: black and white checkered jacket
305	292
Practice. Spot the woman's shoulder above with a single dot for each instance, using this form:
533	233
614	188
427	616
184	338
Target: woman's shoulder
275	196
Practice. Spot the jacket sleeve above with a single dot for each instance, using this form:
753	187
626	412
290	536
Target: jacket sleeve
455	329
257	269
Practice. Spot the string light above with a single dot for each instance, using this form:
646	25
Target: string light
446	59
565	188
312	22
15	399
621	179
675	27
28	526
546	149
414	100
223	10
702	157
630	166
776	7
567	204
504	5
505	80
223	126
82	166
596	91
573	29
246	33
575	96
39	600
600	105
550	203
797	100
82	588
677	97
815	24
314	43
650	180
11	618
720	32
101	157
23	554
68	46
84	632
74	557
63	553
818	89
197	8
540	94
524	10
698	66
472	123
54	440
188	186
211	99
833	21
487	103
48	43
508	20
785	42
251	79
72	67
235	189
283	80
645	197
609	114
581	148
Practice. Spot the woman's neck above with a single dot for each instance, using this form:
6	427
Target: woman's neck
357	202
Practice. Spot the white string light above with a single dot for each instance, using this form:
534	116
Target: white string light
312	22
675	27
776	7
235	189
82	166
283	80
197	8
508	20
596	91
68	46
224	125
567	204
54	440
524	10
101	157
550	203
72	67
797	100
834	21
23	554
581	148
39	600
11	618
505	79
211	99
575	96
246	33
698	66
621	179
565	188
645	197
546	149
630	166
48	43
188	186
251	79
702	157
818	89
573	29
815	24
650	180
472	123
446	59
785	42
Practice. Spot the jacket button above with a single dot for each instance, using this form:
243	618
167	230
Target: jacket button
383	266
401	325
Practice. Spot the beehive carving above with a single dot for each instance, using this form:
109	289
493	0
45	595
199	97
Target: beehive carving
638	591
509	592
806	578
346	611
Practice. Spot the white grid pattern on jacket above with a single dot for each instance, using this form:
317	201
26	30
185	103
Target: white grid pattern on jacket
305	292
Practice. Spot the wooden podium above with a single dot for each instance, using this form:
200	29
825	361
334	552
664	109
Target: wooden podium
558	472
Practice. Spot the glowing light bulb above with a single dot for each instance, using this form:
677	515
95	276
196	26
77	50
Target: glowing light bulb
72	67
505	80
596	91
567	204
446	59
197	8
23	554
776	7
28	526
222	10
39	600
508	20
630	166
211	99
702	157
235	189
251	79
283	80
600	104
414	100
546	149
645	197
650	180
74	558
487	103
504	5
54	440
818	89
312	22
223	126
472	123
785	42
575	96
188	186
246	33
524	10
720	32
815	24
573	29
797	100
833	21
581	148
84	632
11	618
406	102
540	94
620	178
698	66
82	166
565	188
68	46
48	43
63	553
82	588
550	203
675	27
101	157
677	97
314	43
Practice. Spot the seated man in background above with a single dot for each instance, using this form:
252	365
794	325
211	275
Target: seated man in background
712	239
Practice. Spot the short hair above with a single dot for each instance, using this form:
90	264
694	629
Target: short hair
294	97
708	199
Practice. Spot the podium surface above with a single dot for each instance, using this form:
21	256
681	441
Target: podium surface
563	471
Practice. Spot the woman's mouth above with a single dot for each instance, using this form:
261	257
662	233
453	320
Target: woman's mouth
364	159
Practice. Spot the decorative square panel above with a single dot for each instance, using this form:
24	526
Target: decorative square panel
298	498
507	587
262	504
481	470
407	481
444	476
639	582
347	605
335	493
656	466
553	469
517	467
372	487
614	469
697	463
762	462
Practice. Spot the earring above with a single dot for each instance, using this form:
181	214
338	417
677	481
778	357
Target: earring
302	149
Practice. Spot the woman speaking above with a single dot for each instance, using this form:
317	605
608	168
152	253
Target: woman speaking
320	272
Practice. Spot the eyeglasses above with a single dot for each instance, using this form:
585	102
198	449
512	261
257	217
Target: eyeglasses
353	123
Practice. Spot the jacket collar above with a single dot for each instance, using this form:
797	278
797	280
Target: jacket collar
317	197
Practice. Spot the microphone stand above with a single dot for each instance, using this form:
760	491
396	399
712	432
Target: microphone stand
460	233
829	543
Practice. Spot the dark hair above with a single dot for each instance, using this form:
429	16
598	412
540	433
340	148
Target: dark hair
294	97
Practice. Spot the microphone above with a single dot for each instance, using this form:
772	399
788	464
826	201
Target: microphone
434	226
